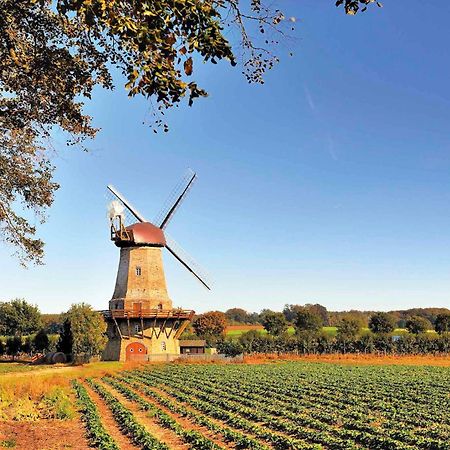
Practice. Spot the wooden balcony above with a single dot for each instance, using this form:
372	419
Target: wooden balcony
177	314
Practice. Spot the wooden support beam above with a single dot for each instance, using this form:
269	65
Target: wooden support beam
142	327
118	328
183	327
128	323
163	326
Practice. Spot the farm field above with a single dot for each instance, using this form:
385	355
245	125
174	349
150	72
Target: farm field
234	331
293	405
346	403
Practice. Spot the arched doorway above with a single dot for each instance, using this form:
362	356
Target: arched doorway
136	352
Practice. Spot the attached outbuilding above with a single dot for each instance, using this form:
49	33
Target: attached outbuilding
192	347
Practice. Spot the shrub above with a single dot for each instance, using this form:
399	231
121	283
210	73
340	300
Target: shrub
381	323
57	405
417	324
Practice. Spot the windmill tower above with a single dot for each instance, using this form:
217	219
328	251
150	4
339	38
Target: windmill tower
142	323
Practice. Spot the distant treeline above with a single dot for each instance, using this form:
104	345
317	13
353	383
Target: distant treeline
239	316
24	331
321	343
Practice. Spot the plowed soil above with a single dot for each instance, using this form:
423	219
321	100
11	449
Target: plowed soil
43	435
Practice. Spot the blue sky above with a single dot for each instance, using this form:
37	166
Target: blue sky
329	184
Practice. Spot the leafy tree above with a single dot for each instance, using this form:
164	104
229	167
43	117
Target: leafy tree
381	322
65	341
274	323
211	325
18	317
229	347
248	339
27	345
308	321
55	52
84	331
238	315
13	345
291	311
442	323
361	316
52	323
41	342
348	329
320	311
417	325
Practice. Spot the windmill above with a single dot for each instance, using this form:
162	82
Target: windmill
141	318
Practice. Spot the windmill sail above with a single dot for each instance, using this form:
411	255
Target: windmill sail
126	203
175	199
187	261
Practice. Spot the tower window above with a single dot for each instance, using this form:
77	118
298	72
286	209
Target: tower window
137	329
138	271
160	306
163	346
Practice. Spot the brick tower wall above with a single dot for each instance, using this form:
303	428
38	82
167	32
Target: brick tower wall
140	279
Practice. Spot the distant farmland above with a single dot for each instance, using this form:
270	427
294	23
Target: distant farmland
237	330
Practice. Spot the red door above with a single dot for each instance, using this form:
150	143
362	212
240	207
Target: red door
136	352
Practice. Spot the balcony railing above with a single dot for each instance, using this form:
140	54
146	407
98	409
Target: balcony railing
148	313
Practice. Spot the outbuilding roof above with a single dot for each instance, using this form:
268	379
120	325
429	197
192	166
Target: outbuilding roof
192	343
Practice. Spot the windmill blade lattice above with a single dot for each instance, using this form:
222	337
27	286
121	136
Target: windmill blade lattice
175	199
130	215
187	261
128	218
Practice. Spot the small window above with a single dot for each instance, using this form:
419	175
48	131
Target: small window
137	329
163	346
131	350
140	350
138	271
160	306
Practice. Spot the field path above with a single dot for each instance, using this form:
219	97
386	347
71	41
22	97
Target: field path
163	434
44	435
109	422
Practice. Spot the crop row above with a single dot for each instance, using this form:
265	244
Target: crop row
356	398
207	406
289	409
98	436
240	440
337	438
128	423
298	394
248	404
196	440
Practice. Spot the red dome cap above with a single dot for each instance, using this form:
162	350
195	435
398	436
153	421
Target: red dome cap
145	233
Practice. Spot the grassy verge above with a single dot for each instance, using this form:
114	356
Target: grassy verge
37	392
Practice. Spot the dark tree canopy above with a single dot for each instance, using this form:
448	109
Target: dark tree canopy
274	323
417	324
442	323
18	318
381	323
238	315
348	329
84	331
41	342
291	312
54	52
13	345
308	321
